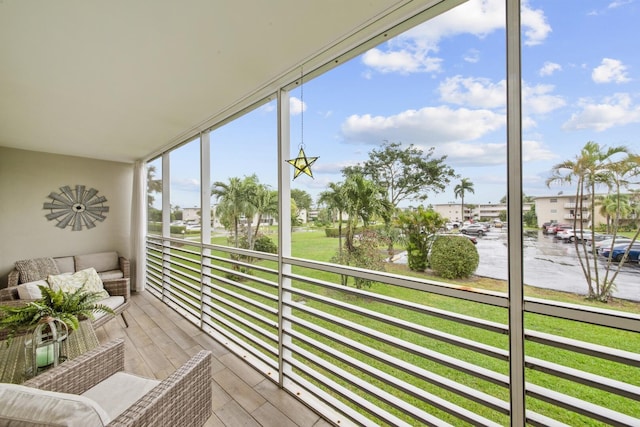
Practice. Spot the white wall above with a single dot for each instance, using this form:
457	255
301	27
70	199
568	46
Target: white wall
27	178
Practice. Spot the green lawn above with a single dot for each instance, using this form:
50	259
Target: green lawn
314	245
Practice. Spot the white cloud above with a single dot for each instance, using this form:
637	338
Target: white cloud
534	23
610	70
186	184
539	99
549	68
472	56
618	3
534	151
616	110
427	126
410	52
473	92
296	106
332	168
474	154
483	93
401	61
491	154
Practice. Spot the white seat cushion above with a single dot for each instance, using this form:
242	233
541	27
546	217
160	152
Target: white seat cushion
25	406
119	392
111	302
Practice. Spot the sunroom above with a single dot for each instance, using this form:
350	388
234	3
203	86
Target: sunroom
169	107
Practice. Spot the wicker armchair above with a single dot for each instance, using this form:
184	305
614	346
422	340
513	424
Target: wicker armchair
184	399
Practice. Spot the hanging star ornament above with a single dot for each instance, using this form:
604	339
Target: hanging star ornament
302	163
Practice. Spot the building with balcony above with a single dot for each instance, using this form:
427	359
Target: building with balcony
476	212
115	95
564	208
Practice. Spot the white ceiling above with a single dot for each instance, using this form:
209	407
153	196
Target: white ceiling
120	79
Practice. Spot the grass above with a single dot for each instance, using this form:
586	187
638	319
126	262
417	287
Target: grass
314	245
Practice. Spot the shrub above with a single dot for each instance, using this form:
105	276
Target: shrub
419	227
453	257
265	244
365	254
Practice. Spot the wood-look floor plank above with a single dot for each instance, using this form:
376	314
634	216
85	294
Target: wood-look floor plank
159	340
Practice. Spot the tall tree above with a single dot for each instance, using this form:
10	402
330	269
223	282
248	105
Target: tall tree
303	201
153	185
364	200
405	173
302	198
266	203
613	207
335	200
595	166
465	186
233	202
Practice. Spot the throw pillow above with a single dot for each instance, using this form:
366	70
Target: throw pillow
31	290
71	282
36	269
26	406
94	282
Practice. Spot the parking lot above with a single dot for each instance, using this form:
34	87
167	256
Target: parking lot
550	263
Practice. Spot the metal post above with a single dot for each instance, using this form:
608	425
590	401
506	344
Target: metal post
284	224
514	205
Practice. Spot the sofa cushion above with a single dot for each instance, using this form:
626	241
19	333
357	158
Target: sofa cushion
66	264
119	392
103	261
111	302
87	278
36	269
26	406
30	290
111	274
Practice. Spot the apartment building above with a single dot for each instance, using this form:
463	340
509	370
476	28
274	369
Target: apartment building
565	208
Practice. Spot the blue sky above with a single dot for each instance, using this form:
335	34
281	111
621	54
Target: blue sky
442	85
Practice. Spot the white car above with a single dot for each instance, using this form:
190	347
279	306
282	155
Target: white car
571	235
478	229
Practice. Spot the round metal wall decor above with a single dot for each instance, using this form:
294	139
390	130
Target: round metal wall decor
76	208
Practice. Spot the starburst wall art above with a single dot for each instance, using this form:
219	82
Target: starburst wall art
76	208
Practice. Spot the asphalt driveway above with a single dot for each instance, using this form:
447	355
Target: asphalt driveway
550	263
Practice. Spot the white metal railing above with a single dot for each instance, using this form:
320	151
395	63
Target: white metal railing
394	354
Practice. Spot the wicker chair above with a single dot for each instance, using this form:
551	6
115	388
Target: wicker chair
183	399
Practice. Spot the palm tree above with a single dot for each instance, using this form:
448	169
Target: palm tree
614	207
334	199
266	203
153	185
594	166
232	202
465	186
364	200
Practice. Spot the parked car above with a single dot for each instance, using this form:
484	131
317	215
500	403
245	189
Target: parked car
547	225
597	238
618	251
571	235
554	228
479	229
608	243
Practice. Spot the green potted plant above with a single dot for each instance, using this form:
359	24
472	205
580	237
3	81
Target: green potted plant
68	308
